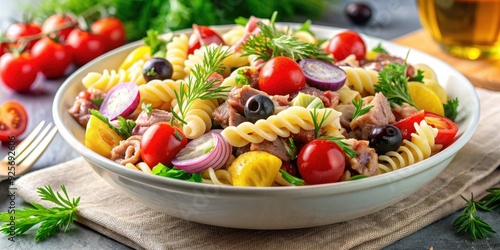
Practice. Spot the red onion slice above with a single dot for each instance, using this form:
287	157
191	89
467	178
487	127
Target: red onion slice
323	75
121	100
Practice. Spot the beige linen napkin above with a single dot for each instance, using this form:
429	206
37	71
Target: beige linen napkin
109	212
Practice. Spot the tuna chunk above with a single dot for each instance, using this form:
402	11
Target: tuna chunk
145	120
129	151
366	160
277	147
403	111
225	115
238	97
380	114
82	104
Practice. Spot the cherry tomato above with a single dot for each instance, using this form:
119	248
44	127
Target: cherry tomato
406	125
57	22
54	58
346	43
13	120
111	30
18	71
23	30
86	46
160	143
281	76
203	35
3	48
447	129
321	161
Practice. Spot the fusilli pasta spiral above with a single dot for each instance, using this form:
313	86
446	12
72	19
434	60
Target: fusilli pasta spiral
177	53
361	79
160	94
108	79
198	118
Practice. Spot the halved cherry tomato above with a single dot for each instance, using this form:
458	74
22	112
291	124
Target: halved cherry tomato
321	161
18	72
23	30
100	138
111	30
346	43
281	75
53	57
13	120
447	129
86	46
202	35
56	23
407	126
160	143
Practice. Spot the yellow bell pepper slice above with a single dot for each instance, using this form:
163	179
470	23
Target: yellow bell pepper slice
143	52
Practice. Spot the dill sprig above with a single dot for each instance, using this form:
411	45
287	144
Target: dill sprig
359	110
393	83
198	86
318	124
272	42
342	144
51	219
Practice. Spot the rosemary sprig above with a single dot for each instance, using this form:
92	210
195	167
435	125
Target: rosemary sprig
469	222
359	110
198	86
393	83
272	42
342	144
51	219
318	125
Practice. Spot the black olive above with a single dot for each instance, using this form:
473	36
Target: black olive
358	12
385	138
157	68
258	107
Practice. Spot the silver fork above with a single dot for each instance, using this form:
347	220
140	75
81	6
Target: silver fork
22	157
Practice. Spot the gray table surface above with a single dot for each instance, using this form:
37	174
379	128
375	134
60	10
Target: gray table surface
391	19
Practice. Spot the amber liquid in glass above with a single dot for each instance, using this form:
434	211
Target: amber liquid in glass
465	28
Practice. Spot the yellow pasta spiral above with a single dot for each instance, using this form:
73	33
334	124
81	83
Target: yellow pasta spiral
288	121
361	79
160	94
108	79
198	118
177	53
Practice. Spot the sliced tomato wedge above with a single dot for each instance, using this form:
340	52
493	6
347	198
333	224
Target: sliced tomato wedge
13	120
406	125
446	127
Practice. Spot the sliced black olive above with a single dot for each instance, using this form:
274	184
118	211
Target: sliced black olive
258	107
157	68
385	138
359	13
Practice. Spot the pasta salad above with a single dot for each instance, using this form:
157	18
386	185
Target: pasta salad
264	105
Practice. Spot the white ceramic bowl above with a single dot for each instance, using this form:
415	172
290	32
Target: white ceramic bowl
272	207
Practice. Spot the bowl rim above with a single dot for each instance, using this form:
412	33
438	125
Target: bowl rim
306	190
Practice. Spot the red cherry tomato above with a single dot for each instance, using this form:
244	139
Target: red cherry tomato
346	43
18	72
447	129
111	30
160	143
57	22
23	30
321	161
3	48
407	125
54	58
86	46
281	76
202	35
13	120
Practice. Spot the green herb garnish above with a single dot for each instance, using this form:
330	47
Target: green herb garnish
379	49
97	101
306	26
272	42
209	149
291	148
318	124
359	110
450	109
469	222
124	128
357	177
147	107
176	173
198	87
291	179
342	144
419	77
158	46
241	21
51	219
393	83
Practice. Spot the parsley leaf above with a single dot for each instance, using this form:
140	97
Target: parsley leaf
125	126
175	173
419	77
359	110
379	49
393	83
291	179
158	46
450	109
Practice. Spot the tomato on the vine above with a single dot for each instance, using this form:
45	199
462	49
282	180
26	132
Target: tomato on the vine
86	46
407	125
13	120
202	35
160	143
447	129
111	30
23	30
58	22
18	71
281	75
346	43
53	57
321	161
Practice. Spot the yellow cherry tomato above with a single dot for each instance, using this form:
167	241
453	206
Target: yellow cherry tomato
254	169
425	98
143	52
100	138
